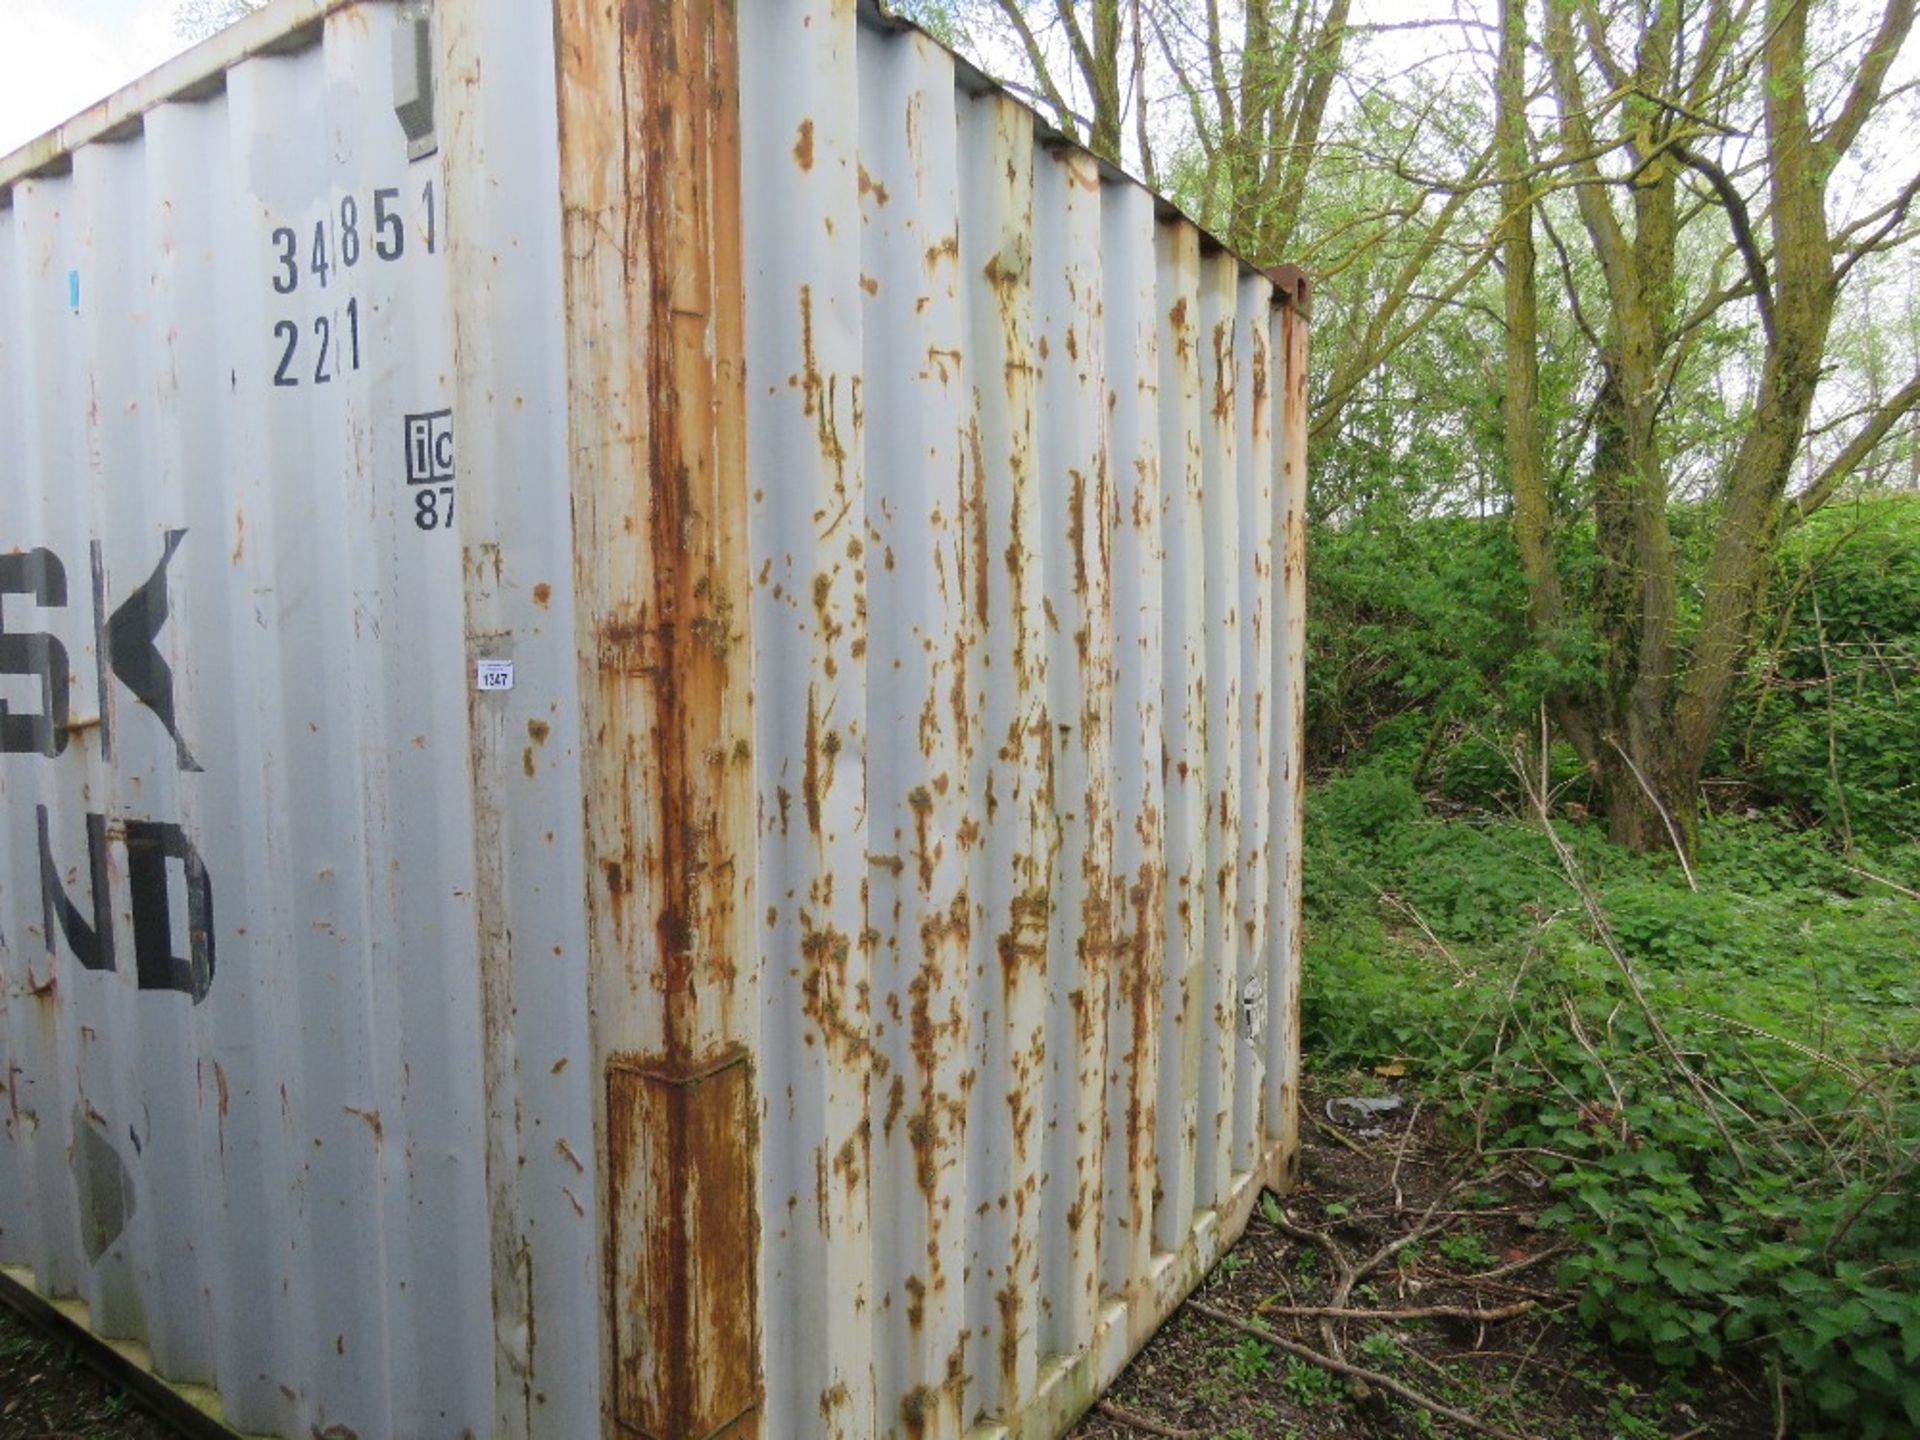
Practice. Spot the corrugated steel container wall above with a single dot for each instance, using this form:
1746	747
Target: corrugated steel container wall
844	982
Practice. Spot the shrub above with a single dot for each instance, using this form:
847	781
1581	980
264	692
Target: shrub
1770	1210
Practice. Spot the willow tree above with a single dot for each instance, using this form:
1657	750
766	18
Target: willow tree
1261	119
1646	118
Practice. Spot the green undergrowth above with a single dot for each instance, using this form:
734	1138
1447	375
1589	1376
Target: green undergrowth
1717	1089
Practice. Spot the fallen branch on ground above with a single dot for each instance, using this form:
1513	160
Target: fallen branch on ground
1352	1371
1418	1312
1126	1417
1515	1267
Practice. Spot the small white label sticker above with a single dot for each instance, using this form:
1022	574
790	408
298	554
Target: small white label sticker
493	675
1253	1007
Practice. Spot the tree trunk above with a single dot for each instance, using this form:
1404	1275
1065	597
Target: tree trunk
1650	790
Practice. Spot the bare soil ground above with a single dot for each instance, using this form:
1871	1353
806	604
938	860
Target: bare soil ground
1445	1287
47	1394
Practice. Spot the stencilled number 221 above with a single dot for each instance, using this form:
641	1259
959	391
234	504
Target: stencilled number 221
333	344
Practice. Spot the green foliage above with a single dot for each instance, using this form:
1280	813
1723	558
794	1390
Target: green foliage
1419	617
1249	1361
1310	1387
1419	662
1830	723
1466	1249
1380	1349
1779	1217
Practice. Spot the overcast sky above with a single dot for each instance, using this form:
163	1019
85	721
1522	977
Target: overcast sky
59	56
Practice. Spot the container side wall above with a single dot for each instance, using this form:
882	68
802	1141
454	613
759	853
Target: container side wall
649	764
1015	507
242	1016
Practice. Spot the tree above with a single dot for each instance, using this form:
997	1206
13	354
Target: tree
1664	117
1259	118
197	19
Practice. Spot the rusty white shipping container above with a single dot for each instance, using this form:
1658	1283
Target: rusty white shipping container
650	671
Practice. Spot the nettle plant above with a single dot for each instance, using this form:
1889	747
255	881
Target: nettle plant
1715	1081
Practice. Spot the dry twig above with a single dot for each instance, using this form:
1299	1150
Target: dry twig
1353	1372
1417	1312
1123	1416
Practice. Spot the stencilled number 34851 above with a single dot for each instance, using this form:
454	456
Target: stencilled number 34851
327	345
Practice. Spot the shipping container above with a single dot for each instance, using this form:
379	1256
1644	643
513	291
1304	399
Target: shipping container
650	684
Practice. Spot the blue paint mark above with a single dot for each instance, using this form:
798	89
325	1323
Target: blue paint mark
73	291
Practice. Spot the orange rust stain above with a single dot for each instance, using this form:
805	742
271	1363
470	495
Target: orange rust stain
1024	944
830	629
836	1397
1008	1299
1223	371
871	186
921	802
817	392
810	775
836	1008
684	1269
948	248
803	146
1146	897
542	593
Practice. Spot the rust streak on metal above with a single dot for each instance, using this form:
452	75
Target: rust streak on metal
650	160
